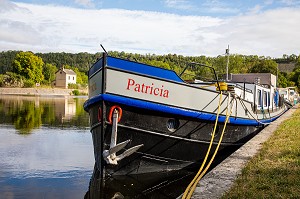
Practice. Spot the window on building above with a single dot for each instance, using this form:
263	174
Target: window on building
73	78
69	77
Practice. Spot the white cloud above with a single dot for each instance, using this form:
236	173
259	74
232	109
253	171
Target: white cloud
51	28
271	33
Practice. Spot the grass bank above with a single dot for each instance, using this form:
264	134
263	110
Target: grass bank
275	171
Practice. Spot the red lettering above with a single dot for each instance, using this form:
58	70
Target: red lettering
166	94
154	91
130	82
143	86
148	89
137	88
161	91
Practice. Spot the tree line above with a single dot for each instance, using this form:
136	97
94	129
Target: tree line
30	68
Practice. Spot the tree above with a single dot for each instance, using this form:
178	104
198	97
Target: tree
264	66
295	76
29	66
49	73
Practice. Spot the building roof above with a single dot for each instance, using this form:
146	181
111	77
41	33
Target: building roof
260	78
67	71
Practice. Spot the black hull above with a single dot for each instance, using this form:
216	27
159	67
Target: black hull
163	150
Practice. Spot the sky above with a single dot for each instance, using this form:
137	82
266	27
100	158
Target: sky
184	27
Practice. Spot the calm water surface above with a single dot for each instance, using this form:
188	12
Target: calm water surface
46	151
46	148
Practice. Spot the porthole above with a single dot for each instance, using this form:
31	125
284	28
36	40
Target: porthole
173	124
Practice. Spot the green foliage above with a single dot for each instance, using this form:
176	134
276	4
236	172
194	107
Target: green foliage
10	79
29	66
264	66
159	64
295	76
49	73
76	92
29	119
10	61
274	172
34	112
6	59
29	83
73	86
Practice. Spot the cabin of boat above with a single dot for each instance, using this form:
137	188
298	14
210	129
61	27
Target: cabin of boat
257	88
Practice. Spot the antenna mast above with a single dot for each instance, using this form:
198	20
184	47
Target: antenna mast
227	53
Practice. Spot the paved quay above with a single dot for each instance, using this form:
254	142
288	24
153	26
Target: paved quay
38	91
222	177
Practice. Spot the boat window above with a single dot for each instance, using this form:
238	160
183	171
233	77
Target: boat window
265	98
259	100
269	99
173	124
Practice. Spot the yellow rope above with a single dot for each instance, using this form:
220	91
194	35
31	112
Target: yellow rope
216	150
187	190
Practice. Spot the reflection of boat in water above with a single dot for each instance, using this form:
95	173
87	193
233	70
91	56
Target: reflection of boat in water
139	186
146	119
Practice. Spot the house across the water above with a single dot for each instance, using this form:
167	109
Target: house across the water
63	77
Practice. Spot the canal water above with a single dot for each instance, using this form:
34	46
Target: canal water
46	151
45	147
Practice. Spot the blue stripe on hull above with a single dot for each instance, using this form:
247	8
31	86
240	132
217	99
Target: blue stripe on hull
172	110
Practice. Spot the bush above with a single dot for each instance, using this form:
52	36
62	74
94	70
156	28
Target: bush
28	83
76	92
10	79
1	80
72	86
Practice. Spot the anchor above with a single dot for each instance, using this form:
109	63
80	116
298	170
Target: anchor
110	155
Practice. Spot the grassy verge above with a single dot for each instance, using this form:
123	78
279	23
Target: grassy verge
275	171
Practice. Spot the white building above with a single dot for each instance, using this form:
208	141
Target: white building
63	77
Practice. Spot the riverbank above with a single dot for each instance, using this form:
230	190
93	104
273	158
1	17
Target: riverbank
267	166
275	171
40	91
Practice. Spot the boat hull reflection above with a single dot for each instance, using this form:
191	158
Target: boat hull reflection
149	185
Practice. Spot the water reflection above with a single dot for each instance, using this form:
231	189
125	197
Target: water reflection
46	148
46	151
163	185
29	112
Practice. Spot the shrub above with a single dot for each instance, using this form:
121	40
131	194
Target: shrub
28	83
76	92
10	79
72	86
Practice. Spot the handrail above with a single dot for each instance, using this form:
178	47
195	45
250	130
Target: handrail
199	64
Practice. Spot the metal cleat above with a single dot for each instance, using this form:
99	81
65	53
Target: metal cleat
110	155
